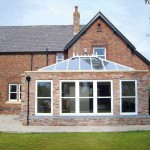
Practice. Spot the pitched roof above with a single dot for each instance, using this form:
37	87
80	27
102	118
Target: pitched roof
99	15
35	38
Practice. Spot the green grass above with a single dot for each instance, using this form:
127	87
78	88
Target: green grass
75	141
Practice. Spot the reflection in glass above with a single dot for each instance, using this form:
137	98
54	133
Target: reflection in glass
68	105
86	89
85	63
103	105
128	104
44	89
99	51
128	88
68	89
43	105
109	65
86	105
97	64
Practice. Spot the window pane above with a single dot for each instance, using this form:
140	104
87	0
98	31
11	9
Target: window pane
99	51
13	88
68	105
68	89
103	105
59	56
73	64
85	64
13	96
44	105
103	89
97	64
62	65
44	89
128	88
103	57
109	65
128	104
86	105
86	89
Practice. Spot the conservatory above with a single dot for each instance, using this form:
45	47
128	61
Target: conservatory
85	90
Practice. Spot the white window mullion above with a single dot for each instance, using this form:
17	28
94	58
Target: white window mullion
95	97
77	96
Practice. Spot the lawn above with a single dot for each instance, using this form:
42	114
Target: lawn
75	141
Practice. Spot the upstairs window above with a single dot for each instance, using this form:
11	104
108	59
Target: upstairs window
99	27
59	57
100	52
14	92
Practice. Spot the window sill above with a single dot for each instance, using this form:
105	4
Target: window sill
13	102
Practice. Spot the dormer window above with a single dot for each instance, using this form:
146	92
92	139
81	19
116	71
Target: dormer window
59	57
98	27
100	52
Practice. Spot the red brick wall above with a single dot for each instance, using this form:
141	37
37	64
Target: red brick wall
116	48
142	80
12	66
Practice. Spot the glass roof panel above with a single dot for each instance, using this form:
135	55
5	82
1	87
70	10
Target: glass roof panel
62	65
85	63
97	63
73	64
109	65
51	67
120	67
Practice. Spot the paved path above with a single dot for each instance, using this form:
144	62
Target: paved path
11	123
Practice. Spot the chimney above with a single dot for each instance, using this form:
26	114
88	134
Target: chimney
76	21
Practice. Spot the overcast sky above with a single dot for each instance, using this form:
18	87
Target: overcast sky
131	17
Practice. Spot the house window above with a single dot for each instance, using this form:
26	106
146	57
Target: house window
59	57
128	97
104	97
68	97
14	92
99	27
43	97
86	97
100	52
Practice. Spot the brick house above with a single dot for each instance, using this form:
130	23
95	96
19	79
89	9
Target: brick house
74	75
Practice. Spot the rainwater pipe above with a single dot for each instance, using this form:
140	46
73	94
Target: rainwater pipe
28	79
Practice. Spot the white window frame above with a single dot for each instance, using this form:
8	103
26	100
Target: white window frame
36	97
100	55
19	93
136	98
13	100
59	60
77	102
